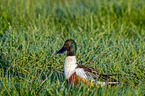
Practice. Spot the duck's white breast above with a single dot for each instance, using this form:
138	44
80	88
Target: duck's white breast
69	66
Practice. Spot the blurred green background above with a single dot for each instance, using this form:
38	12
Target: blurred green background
110	36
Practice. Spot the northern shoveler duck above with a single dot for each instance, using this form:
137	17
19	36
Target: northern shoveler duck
75	72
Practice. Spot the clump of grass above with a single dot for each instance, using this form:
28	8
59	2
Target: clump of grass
109	34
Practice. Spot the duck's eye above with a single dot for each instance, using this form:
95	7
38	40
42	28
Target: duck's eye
70	43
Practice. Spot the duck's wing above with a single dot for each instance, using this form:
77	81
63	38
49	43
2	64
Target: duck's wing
88	72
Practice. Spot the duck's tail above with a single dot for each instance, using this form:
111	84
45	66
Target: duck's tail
107	76
104	83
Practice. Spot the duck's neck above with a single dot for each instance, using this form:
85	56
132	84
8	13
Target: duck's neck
71	53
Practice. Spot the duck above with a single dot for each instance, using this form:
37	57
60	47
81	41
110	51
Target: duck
75	72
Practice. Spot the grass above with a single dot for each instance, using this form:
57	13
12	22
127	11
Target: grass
110	36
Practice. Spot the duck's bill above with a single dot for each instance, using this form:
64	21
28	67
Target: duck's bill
62	50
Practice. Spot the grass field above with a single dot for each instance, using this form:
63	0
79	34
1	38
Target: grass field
110	36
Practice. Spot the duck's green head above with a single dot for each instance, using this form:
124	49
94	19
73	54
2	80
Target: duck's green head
69	46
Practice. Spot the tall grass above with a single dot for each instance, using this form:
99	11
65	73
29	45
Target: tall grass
110	36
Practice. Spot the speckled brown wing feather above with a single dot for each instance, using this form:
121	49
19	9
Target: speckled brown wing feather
95	74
